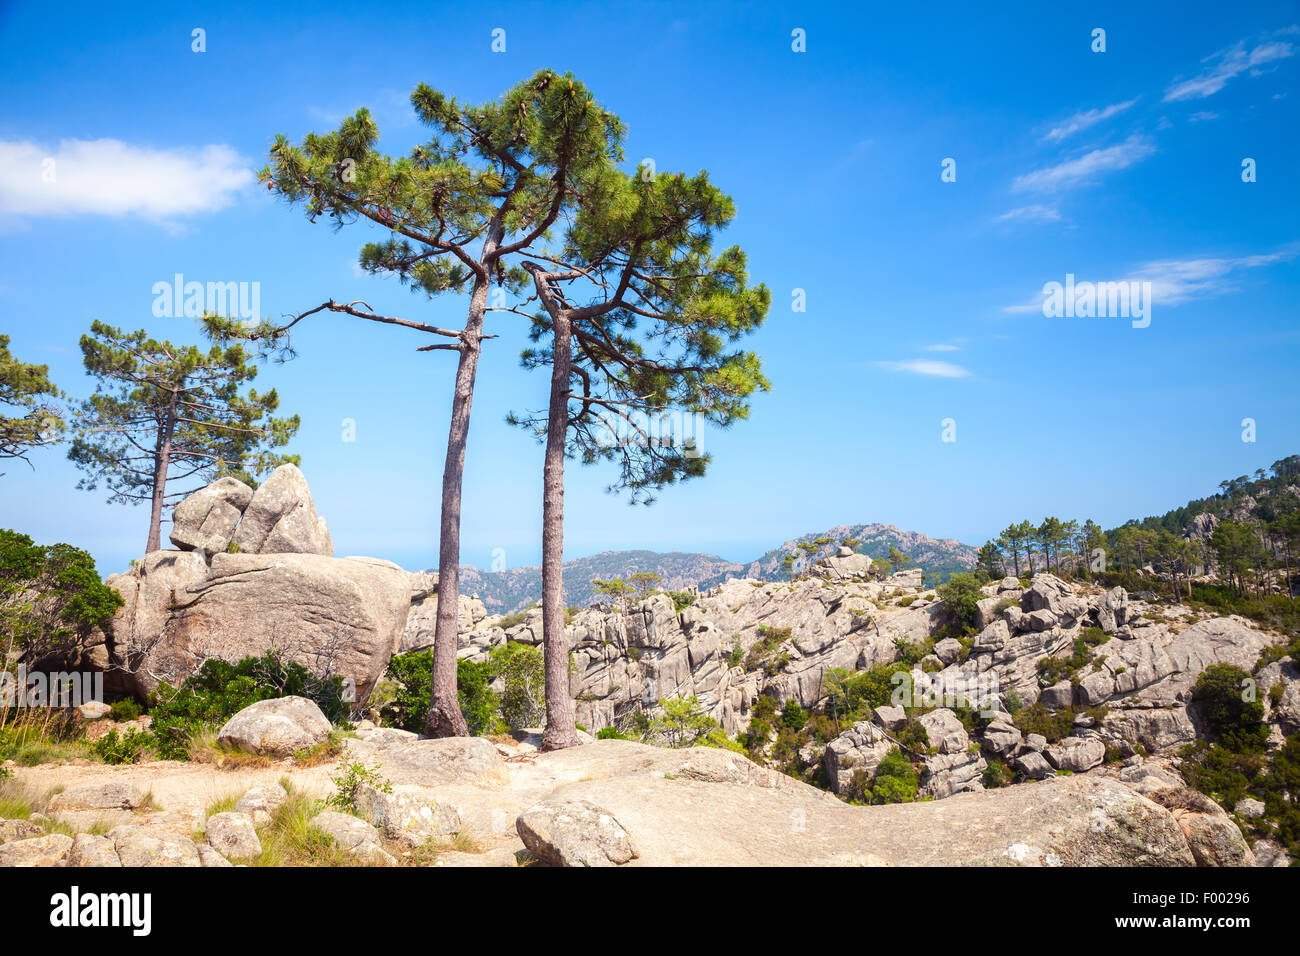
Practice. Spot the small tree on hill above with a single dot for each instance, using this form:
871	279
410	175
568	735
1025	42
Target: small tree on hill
165	414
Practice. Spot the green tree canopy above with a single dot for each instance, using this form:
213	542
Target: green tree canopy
28	416
166	415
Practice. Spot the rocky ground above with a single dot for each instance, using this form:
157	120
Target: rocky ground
609	802
256	571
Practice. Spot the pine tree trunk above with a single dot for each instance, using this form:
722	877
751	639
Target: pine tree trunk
444	718
162	458
560	731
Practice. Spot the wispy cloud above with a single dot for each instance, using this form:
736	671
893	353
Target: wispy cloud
1090	164
1086	119
1229	63
1203	116
1176	281
1035	213
107	177
931	367
942	347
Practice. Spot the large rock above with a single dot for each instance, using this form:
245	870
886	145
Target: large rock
281	518
575	833
276	727
148	596
945	731
113	795
1076	754
150	846
93	851
206	520
1222	640
409	814
336	616
354	836
436	762
261	802
1214	839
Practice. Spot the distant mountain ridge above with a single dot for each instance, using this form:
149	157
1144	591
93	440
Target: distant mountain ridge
505	592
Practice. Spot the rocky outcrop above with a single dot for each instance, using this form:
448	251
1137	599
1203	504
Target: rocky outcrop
575	833
336	616
256	575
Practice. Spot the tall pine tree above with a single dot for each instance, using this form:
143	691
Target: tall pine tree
490	182
638	316
28	417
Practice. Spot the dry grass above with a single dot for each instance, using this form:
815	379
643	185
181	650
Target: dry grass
205	749
31	736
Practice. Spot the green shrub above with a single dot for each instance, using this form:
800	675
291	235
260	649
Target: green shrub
128	708
523	674
125	748
961	595
221	689
682	600
412	673
895	780
1227	697
794	716
1037	719
352	776
610	733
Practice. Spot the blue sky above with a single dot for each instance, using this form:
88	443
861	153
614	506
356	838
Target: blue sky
922	295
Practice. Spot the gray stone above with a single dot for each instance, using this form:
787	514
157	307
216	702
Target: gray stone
93	851
277	727
206	520
575	833
114	795
281	518
233	835
52	850
260	803
1076	754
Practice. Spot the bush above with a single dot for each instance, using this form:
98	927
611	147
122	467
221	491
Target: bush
352	776
682	600
49	595
794	716
1227	697
126	748
221	689
895	780
523	673
128	708
413	675
610	733
961	595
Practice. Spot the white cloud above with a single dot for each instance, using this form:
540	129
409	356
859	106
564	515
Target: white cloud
1227	64
107	177
1035	213
1081	121
1175	281
1074	171
941	348
1203	116
927	367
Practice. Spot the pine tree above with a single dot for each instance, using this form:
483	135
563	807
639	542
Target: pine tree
490	182
28	417
637	315
165	414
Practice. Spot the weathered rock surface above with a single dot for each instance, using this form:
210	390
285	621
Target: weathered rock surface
277	727
104	796
52	850
411	815
335	616
260	803
281	518
206	520
575	833
233	835
357	838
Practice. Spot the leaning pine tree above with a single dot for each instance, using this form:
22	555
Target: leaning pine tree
638	316
491	181
165	413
